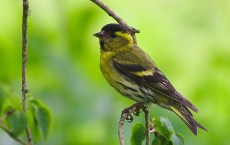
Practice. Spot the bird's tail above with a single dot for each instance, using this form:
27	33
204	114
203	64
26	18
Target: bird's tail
187	117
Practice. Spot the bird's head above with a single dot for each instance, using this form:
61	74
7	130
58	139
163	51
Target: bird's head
113	37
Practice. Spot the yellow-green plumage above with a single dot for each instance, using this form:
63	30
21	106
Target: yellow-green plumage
132	73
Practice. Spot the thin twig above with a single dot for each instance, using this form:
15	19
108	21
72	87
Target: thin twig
6	115
24	64
12	135
147	124
120	128
115	16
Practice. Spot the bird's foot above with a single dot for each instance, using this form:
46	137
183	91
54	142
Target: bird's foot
134	109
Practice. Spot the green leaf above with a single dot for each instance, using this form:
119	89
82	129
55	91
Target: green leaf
33	123
163	126
8	100
4	94
44	120
36	103
17	122
160	140
40	117
138	134
165	133
177	139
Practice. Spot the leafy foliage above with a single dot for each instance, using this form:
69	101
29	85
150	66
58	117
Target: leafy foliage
165	134
160	140
163	131
41	117
38	115
138	134
17	122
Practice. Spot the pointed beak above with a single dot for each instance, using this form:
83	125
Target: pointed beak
99	34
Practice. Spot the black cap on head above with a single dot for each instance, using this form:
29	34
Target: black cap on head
113	28
109	30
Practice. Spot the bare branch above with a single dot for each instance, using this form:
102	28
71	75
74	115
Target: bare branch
6	115
24	64
115	16
147	124
24	53
12	135
120	128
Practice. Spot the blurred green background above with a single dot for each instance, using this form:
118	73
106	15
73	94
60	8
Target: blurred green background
188	39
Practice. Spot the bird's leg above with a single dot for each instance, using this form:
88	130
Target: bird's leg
127	115
147	125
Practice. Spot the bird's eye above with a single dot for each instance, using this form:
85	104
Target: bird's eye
113	35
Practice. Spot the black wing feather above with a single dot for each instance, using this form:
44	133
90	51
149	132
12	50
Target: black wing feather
157	81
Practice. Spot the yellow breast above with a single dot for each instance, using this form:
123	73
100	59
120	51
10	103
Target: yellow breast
106	65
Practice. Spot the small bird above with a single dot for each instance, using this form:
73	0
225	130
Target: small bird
131	72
